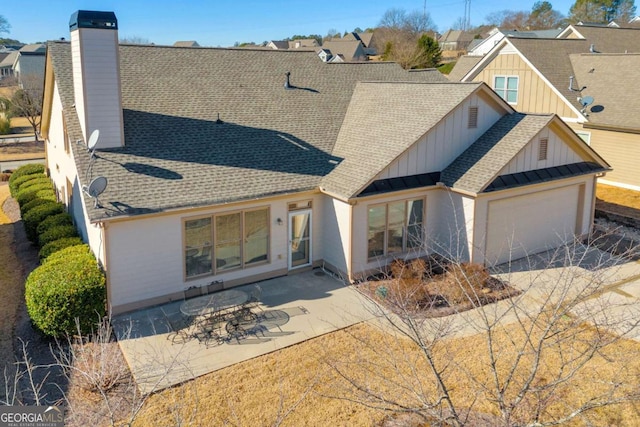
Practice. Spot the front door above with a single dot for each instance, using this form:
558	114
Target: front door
299	239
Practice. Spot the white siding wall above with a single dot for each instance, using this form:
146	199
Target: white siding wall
558	153
336	233
444	142
96	77
453	225
62	168
145	256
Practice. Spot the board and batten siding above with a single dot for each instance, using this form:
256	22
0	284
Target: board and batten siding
558	153
146	256
336	233
444	142
534	95
621	150
453	227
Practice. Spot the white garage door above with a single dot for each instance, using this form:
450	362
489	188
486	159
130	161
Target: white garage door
518	226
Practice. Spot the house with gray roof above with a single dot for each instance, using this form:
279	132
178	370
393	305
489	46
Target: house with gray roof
271	162
587	75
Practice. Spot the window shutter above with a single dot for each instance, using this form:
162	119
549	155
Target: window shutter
473	118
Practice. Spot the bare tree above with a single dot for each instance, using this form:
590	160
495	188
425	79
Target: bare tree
528	349
27	100
4	25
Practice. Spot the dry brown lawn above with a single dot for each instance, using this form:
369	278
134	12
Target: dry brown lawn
258	391
10	283
20	150
618	200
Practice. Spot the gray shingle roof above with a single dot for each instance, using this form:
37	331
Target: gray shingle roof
479	164
464	64
383	120
612	80
272	141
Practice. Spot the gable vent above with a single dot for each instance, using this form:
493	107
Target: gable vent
542	148
473	118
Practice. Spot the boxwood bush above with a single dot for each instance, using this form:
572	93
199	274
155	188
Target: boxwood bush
30	169
68	285
55	233
14	186
32	204
37	214
35	180
51	221
58	245
25	195
47	194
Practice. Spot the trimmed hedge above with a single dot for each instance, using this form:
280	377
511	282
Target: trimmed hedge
36	215
36	180
68	285
59	219
32	204
48	194
25	195
55	233
14	186
57	245
30	169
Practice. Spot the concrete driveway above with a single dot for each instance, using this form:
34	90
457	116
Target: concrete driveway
296	308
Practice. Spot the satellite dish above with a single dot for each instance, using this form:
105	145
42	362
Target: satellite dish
93	139
97	186
585	101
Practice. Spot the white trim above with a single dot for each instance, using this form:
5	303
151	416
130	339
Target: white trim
506	86
583	132
618	184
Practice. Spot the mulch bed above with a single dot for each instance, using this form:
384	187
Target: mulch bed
435	287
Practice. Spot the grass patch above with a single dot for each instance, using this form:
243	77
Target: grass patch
618	200
10	150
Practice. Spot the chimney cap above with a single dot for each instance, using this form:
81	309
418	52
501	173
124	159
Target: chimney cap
93	19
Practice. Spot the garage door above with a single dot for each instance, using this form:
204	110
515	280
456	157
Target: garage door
518	226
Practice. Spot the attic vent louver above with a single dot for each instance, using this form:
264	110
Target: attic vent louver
287	83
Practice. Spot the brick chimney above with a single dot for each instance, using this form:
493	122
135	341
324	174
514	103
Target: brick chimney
96	76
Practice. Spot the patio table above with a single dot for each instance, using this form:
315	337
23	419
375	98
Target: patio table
214	302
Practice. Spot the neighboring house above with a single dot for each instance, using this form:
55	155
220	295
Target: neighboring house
348	50
30	62
6	64
481	47
186	43
367	40
455	40
348	167
588	77
278	44
303	43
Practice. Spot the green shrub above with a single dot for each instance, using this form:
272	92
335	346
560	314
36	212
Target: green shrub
47	194
35	180
30	169
58	245
54	220
55	233
68	285
32	204
37	214
15	184
27	194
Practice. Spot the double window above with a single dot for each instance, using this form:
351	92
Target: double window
507	88
395	227
226	241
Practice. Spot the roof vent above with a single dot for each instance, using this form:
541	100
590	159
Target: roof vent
592	48
287	83
572	89
93	19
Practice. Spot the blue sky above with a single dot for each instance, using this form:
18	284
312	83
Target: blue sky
224	22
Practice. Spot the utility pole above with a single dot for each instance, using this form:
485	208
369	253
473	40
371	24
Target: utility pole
466	24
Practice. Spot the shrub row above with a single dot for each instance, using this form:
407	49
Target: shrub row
69	284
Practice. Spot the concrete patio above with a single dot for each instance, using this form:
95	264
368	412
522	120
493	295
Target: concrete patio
296	308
